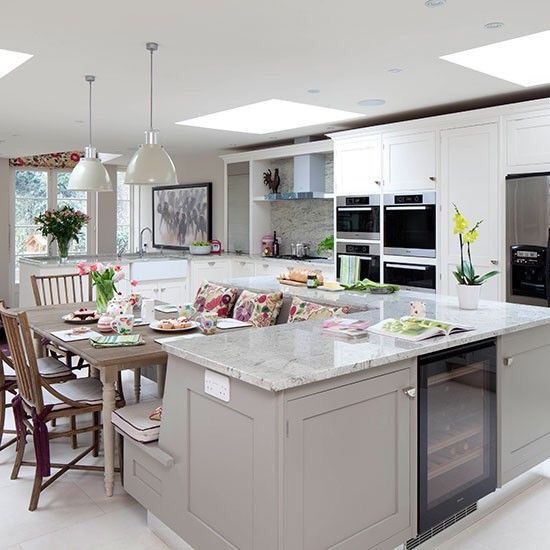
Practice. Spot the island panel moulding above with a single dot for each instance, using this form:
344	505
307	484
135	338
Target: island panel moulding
182	215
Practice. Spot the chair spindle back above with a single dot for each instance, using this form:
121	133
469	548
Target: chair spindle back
23	356
70	288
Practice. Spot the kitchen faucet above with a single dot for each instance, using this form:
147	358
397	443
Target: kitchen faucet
140	250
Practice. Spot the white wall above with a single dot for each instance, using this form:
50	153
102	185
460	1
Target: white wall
5	187
194	169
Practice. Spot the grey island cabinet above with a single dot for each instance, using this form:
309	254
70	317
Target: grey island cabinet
285	438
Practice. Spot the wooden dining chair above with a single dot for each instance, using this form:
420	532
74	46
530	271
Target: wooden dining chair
67	288
50	368
39	401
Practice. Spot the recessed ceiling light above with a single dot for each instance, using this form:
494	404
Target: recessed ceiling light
11	60
314	91
494	25
371	102
273	115
523	60
434	3
395	70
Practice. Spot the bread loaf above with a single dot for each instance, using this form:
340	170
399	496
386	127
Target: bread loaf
300	275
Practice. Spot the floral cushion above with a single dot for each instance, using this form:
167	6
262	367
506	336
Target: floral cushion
261	310
215	299
301	310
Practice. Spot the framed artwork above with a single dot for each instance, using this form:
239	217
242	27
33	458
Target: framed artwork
182	214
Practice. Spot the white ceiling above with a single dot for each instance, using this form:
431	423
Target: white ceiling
217	54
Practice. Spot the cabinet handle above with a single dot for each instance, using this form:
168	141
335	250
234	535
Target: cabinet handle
494	262
163	289
508	361
211	263
242	263
410	392
433	178
378	182
265	266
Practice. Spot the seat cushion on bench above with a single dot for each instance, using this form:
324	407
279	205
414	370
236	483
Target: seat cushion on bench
134	421
300	310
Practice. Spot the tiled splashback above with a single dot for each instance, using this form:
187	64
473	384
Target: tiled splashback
305	220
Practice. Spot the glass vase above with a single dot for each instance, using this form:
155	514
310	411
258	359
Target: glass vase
103	295
63	248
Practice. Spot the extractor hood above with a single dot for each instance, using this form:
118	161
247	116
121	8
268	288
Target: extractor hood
309	180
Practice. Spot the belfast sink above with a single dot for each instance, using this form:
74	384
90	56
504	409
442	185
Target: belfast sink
149	270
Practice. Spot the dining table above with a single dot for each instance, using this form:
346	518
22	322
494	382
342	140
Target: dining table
104	362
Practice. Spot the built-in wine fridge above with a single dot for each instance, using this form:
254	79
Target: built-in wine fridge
456	431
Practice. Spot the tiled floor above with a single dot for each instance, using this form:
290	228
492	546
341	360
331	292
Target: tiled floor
75	514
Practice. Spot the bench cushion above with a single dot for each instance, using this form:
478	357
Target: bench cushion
300	310
260	309
134	421
215	299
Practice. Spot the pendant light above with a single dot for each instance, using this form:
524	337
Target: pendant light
151	164
89	174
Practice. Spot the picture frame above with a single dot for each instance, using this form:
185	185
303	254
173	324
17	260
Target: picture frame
182	214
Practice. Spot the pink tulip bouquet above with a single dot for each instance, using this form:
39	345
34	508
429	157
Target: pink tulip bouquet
104	278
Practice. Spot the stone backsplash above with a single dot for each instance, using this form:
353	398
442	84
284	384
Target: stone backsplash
305	220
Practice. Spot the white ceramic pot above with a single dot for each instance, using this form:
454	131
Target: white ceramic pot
468	296
199	249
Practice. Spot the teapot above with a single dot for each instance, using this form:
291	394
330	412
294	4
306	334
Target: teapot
119	306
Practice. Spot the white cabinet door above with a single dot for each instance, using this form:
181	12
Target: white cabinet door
174	292
208	270
409	162
270	268
358	166
527	139
149	289
242	268
469	179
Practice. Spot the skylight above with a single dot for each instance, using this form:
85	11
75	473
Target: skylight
522	61
273	115
11	60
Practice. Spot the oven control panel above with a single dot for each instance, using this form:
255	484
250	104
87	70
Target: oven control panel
409	199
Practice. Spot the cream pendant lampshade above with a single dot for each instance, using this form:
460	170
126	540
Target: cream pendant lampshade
151	164
89	174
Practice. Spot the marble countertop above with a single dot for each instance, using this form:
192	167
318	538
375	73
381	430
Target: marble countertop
157	256
286	356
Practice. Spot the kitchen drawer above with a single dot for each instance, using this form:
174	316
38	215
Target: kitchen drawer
146	468
270	268
242	268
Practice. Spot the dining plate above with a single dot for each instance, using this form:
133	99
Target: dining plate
70	318
155	325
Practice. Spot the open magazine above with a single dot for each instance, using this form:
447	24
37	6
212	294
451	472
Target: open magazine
345	328
414	329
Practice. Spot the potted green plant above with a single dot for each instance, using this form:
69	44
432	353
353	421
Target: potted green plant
469	283
326	245
63	225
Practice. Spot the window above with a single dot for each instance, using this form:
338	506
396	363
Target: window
31	199
124	228
79	201
35	191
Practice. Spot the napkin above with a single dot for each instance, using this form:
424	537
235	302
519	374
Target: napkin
117	341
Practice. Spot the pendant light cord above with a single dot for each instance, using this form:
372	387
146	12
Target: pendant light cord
151	94
90	114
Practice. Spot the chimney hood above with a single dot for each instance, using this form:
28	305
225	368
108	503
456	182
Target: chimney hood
309	179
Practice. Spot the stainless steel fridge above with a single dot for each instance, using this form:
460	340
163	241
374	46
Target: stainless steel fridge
527	239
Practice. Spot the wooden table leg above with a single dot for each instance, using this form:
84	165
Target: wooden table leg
108	377
137	384
161	380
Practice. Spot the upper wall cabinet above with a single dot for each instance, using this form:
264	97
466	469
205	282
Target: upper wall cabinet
358	166
410	162
528	139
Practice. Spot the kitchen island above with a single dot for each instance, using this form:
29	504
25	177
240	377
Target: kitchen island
284	437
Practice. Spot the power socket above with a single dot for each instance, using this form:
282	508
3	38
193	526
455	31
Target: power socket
216	385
